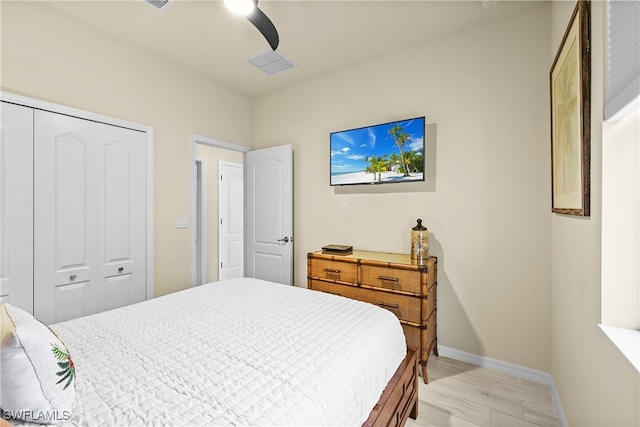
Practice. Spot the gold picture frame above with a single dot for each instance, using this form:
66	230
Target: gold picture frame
570	85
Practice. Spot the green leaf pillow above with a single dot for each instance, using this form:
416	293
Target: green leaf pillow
37	373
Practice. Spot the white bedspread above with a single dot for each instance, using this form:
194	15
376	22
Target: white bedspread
237	352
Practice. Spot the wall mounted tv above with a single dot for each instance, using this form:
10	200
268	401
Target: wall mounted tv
380	154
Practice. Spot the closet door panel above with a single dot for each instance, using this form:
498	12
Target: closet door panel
16	206
123	220
119	291
66	154
73	300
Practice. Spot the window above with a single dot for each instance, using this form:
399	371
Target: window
621	182
623	62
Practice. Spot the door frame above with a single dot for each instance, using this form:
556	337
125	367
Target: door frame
87	115
200	216
204	140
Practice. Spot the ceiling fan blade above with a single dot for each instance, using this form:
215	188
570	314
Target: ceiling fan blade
265	26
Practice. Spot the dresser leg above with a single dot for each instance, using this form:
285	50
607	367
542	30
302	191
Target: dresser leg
424	371
435	347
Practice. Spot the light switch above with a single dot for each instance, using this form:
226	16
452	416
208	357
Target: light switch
181	222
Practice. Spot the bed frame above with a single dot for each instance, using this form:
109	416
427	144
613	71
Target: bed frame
399	399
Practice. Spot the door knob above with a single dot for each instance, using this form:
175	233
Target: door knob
286	240
72	277
120	270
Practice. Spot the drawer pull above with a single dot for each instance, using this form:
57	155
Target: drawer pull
328	270
386	304
388	279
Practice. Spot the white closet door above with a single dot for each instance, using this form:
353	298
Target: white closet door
66	270
123	217
16	206
90	217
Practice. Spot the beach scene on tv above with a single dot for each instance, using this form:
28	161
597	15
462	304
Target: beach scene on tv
384	153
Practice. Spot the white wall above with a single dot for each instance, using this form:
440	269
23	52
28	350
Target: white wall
50	56
484	91
597	385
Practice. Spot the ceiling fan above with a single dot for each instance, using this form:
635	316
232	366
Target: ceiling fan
257	17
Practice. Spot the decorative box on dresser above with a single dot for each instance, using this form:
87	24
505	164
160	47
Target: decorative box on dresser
392	281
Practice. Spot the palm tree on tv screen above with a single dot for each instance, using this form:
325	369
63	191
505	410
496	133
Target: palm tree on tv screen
370	168
377	164
415	160
400	138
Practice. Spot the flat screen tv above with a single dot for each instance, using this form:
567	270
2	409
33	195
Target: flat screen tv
380	154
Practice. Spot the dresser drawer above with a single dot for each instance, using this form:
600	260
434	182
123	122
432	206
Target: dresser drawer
391	278
414	337
334	270
336	289
405	307
412	334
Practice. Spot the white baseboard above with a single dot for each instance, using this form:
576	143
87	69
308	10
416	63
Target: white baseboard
511	369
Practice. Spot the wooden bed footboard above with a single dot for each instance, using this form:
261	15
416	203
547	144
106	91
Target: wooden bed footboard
399	399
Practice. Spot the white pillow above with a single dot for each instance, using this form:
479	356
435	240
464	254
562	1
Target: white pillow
37	373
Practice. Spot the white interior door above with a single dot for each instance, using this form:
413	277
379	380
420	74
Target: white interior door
231	220
269	214
66	267
16	206
122	222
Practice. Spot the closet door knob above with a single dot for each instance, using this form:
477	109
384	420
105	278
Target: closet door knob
120	270
72	277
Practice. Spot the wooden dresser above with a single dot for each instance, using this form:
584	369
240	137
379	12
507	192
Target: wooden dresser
393	281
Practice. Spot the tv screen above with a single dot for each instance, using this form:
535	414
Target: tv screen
380	154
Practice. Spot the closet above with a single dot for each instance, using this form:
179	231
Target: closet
73	220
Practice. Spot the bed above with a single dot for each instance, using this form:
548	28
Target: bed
241	352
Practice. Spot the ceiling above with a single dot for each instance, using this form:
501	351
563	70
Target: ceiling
319	36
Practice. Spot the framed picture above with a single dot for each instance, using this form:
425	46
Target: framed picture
570	82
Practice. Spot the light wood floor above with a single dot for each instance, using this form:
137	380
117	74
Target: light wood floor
460	394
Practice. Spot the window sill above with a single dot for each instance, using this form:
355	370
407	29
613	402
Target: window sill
627	341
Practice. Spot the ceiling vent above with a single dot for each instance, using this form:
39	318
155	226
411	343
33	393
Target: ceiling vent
159	4
271	62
